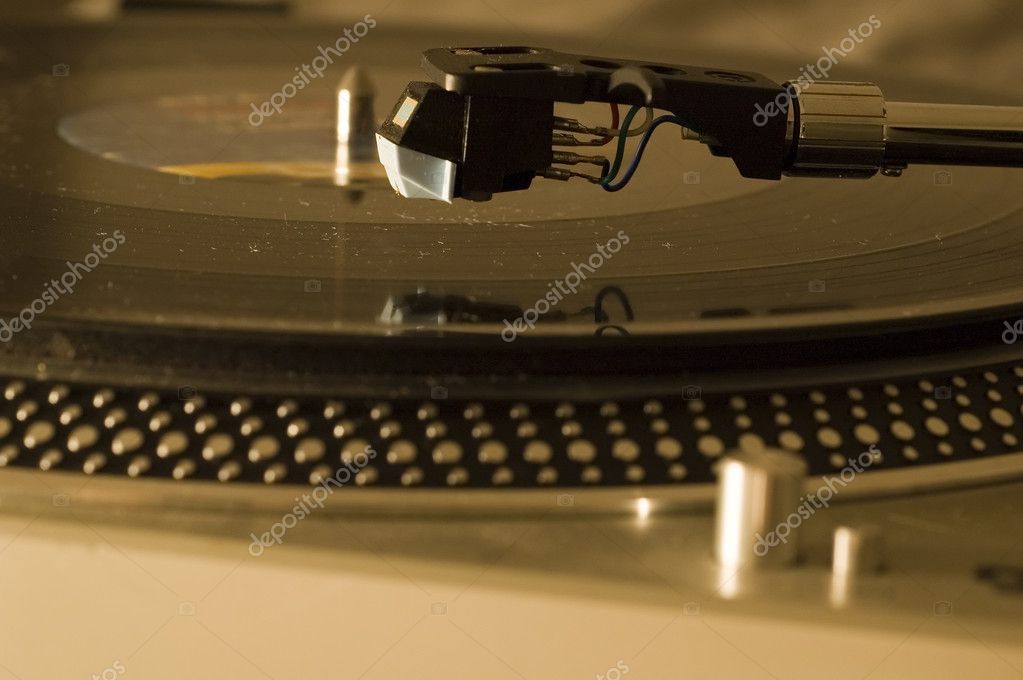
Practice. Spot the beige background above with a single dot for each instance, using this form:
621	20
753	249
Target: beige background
559	595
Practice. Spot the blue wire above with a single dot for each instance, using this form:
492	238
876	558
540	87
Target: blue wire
639	151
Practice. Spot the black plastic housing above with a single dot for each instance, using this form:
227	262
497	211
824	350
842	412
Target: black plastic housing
498	143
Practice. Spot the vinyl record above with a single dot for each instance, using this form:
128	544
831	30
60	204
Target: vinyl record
241	316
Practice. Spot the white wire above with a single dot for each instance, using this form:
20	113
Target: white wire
642	128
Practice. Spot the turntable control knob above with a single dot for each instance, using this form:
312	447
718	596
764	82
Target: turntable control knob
856	550
758	496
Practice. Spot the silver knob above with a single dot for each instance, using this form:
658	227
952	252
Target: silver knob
758	495
856	550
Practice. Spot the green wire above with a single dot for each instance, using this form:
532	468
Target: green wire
623	135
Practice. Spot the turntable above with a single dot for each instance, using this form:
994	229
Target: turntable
260	302
215	301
